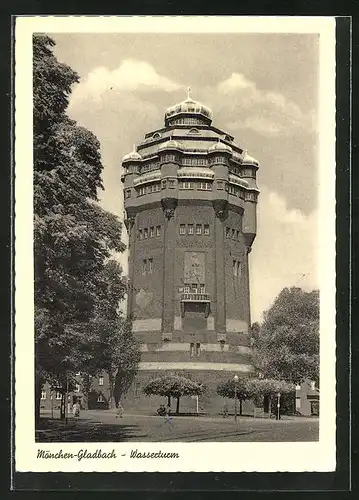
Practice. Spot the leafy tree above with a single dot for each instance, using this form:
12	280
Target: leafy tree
254	333
173	386
74	238
117	353
287	345
264	390
227	389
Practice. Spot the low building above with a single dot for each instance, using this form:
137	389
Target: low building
307	399
98	397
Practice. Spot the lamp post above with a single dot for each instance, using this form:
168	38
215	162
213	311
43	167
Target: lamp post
235	380
278	406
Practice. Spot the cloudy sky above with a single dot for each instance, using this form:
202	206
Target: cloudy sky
262	89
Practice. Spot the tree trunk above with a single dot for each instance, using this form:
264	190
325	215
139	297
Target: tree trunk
85	400
270	407
169	401
240	406
265	403
38	386
112	402
86	386
62	406
177	407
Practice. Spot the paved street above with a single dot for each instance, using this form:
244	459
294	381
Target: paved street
103	426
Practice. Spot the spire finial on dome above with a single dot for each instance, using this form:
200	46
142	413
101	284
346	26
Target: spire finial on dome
188	92
134	148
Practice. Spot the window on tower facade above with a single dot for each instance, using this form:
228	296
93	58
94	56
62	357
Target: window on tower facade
228	232
153	188
191	349
169	157
198	349
100	398
158	230
145	233
140	234
239	269
43	394
194	288
202	288
100	380
234	268
186	289
144	266
182	229
58	395
233	234
186	185
150	265
152	232
198	229
206	229
164	184
171	184
190	228
205	186
128	193
219	184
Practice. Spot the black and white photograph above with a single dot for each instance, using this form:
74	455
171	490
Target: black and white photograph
175	238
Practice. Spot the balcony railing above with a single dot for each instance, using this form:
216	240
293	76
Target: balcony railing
195	297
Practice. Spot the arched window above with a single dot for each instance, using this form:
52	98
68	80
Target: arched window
193	131
157	135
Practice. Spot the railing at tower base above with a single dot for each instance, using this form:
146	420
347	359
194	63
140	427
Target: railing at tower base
198	298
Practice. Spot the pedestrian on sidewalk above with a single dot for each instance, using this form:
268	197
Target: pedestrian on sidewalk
120	410
76	409
168	417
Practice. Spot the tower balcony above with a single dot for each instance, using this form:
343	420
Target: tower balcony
200	301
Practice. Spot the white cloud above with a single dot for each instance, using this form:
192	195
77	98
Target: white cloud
235	82
284	253
131	75
265	112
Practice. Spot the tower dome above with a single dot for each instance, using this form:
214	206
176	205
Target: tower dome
220	147
171	144
249	160
132	156
188	106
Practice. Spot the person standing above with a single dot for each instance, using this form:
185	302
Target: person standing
120	410
76	409
168	417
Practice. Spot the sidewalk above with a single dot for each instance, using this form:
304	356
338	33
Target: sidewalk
201	418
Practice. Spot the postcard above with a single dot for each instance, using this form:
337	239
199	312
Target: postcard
174	244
